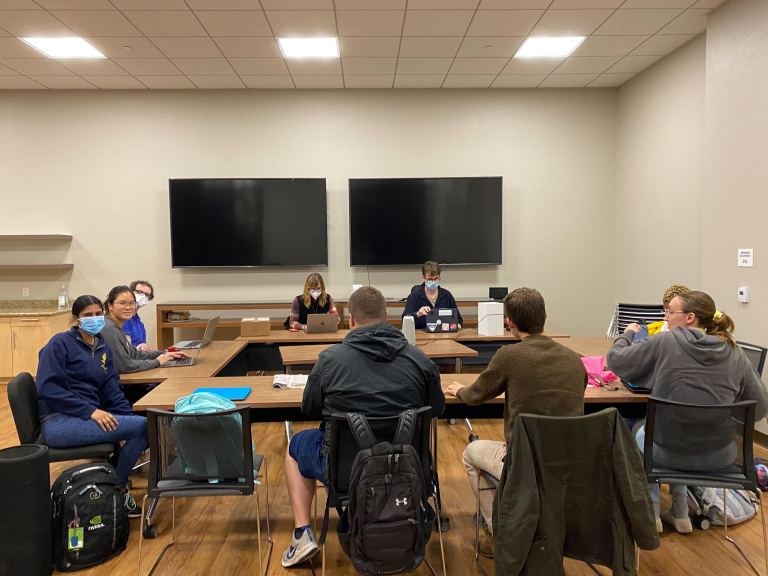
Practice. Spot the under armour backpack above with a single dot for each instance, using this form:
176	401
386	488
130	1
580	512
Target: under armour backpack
388	520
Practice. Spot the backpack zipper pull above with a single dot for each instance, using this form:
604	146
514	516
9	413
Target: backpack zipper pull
93	487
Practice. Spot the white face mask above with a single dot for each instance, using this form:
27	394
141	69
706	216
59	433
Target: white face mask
141	299
315	294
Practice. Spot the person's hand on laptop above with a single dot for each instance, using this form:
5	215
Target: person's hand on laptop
168	356
423	311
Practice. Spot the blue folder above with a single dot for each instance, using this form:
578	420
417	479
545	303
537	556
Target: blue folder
233	394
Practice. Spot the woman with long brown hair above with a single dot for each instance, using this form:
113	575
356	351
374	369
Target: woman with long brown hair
314	300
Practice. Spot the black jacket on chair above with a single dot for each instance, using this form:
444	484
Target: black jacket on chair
571	487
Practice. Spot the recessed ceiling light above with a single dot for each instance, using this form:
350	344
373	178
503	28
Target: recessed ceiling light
549	46
309	47
64	47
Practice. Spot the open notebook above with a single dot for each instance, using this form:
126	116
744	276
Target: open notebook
283	381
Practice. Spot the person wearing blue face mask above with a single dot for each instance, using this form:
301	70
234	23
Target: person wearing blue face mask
428	295
79	397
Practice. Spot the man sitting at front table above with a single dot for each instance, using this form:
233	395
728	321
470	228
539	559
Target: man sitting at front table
375	372
537	376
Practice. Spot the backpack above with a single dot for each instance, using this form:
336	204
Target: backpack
90	522
709	502
388	520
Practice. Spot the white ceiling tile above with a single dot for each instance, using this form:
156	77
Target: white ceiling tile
370	4
297	4
76	5
125	47
660	45
609	80
314	67
709	4
5	71
442	4
518	80
35	66
19	83
440	23
419	81
115	82
567	80
637	22
19	5
585	4
166	82
468	80
302	23
462	66
97	22
362	46
369	81
429	46
608	45
514	4
369	66
586	64
423	66
689	22
64	82
187	47
570	22
485	46
370	22
259	66
217	82
235	23
504	22
148	66
166	23
31	23
224	4
251	47
531	65
14	48
274	82
658	3
204	66
149	4
632	64
93	67
318	81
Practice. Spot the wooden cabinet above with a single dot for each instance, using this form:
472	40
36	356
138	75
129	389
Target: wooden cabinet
22	337
6	357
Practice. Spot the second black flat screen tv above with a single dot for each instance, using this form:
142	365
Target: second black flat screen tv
400	221
224	222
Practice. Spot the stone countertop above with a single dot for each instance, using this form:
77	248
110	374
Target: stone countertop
14	308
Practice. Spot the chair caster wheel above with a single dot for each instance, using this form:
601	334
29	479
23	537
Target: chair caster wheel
445	524
451	421
150	531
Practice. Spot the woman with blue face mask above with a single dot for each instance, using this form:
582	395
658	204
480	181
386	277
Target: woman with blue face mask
314	300
79	397
428	295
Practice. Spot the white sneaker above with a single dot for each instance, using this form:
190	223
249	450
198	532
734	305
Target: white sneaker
301	549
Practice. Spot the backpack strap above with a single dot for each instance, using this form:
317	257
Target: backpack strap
361	430
406	427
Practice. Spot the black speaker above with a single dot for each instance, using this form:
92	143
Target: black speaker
497	293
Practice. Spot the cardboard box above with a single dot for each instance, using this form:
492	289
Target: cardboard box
490	318
254	327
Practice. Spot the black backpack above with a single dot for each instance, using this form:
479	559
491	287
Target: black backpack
90	522
388	520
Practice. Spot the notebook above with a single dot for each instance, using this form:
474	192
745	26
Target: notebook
637	389
283	381
233	394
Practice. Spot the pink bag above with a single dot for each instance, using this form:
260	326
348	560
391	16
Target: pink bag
597	374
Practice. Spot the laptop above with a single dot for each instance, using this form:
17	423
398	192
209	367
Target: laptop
207	337
442	320
319	323
187	361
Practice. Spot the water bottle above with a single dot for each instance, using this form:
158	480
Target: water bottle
62	299
409	329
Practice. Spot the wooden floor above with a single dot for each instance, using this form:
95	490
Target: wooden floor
218	536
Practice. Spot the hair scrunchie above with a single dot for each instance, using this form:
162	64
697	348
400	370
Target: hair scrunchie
717	315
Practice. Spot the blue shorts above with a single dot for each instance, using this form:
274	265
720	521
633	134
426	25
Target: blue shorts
306	448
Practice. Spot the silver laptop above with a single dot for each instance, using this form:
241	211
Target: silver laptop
210	329
318	323
188	361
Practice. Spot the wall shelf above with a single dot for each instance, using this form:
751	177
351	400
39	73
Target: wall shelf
35	267
51	237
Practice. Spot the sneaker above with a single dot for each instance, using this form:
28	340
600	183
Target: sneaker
130	505
657	516
301	549
682	525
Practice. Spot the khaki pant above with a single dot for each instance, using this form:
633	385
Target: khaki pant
486	456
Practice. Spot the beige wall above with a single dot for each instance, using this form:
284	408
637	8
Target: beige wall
96	165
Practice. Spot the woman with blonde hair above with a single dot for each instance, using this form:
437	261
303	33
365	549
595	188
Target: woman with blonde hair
314	300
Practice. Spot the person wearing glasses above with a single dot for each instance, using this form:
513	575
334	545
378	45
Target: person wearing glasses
119	307
429	295
696	362
134	327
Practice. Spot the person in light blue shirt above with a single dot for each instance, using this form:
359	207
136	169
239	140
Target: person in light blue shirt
134	327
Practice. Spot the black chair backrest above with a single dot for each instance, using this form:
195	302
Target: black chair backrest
22	396
628	313
343	448
705	445
755	354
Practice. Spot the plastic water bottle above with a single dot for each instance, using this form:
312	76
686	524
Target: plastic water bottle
409	329
62	299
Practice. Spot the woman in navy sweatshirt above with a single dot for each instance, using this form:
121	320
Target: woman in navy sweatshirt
79	397
428	295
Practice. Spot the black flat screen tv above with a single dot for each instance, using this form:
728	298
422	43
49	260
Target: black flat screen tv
245	222
402	221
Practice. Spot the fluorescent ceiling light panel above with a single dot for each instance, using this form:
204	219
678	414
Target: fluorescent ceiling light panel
309	47
64	47
549	46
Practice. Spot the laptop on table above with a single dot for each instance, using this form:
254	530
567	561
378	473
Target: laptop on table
319	323
442	320
210	329
186	361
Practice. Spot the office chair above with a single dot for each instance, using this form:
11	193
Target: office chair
204	455
755	354
22	397
680	439
625	314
